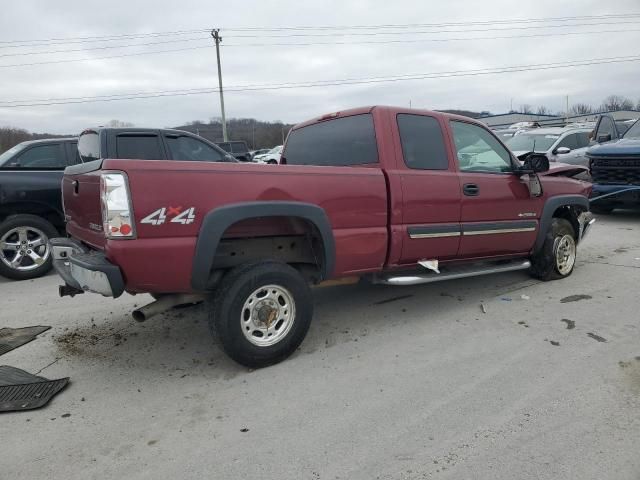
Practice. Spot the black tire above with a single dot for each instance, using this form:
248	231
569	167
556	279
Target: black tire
602	209
28	221
225	311
544	265
272	162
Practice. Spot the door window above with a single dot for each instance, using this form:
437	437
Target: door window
605	128
582	139
40	157
570	141
478	150
422	142
139	147
192	149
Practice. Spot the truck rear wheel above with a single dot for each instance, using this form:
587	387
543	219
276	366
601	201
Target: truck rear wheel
24	246
261	312
557	257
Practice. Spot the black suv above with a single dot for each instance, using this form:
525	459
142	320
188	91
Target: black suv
30	174
238	149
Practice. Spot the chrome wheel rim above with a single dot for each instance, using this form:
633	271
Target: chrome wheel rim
267	315
24	248
565	253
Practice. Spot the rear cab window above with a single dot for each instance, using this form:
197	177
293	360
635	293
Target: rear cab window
89	146
343	141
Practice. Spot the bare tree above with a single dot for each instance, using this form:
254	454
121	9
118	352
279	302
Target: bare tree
119	123
616	102
542	110
526	108
581	109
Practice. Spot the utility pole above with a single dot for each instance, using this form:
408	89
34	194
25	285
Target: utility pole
566	115
215	33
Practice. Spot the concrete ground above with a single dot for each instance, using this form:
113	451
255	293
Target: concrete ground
391	383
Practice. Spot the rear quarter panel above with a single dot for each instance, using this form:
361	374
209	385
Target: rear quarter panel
354	199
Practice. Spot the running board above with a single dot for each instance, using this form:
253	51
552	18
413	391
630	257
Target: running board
450	273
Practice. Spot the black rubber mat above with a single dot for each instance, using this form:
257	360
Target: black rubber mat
20	390
11	338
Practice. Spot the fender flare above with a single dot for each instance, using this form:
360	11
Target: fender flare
217	221
550	206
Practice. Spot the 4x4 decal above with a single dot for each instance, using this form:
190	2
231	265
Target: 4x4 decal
159	217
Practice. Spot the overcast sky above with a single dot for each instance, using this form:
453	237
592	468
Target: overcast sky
195	67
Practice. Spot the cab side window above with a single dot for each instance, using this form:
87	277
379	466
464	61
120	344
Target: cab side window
605	128
570	141
422	142
479	151
183	147
49	156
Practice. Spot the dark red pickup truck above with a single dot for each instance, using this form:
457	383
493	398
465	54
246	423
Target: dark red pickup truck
396	196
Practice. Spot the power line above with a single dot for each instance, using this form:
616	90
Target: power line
50	62
47	52
272	44
349	34
101	38
196	39
338	82
425	40
441	24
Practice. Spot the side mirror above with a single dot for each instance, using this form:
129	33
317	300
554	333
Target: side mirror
536	163
562	150
604	138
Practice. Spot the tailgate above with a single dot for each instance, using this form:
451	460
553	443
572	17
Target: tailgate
81	199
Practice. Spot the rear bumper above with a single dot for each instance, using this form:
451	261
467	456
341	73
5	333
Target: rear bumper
84	269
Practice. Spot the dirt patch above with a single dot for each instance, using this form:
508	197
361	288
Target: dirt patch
88	340
620	250
575	298
571	324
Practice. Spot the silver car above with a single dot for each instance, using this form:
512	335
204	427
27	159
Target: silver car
559	144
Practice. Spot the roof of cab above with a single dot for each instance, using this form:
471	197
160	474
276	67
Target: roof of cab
371	108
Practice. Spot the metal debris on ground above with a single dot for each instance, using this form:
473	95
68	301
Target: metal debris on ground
20	390
11	338
483	308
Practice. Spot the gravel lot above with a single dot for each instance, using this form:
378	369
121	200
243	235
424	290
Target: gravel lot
391	383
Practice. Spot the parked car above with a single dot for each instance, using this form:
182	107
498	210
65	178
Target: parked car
31	172
30	204
395	195
255	153
566	145
238	149
271	157
615	167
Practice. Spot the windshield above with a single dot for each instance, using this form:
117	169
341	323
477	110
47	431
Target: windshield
526	141
4	158
277	149
634	131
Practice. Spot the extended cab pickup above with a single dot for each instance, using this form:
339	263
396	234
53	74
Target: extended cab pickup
615	166
394	195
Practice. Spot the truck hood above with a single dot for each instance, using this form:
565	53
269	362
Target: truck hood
624	146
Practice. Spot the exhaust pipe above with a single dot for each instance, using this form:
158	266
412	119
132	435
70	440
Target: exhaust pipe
163	304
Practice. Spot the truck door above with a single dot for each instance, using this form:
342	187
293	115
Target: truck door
430	189
498	214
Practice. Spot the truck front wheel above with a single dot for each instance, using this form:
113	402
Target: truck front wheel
557	257
261	312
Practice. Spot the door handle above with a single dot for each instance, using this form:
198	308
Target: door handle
470	189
